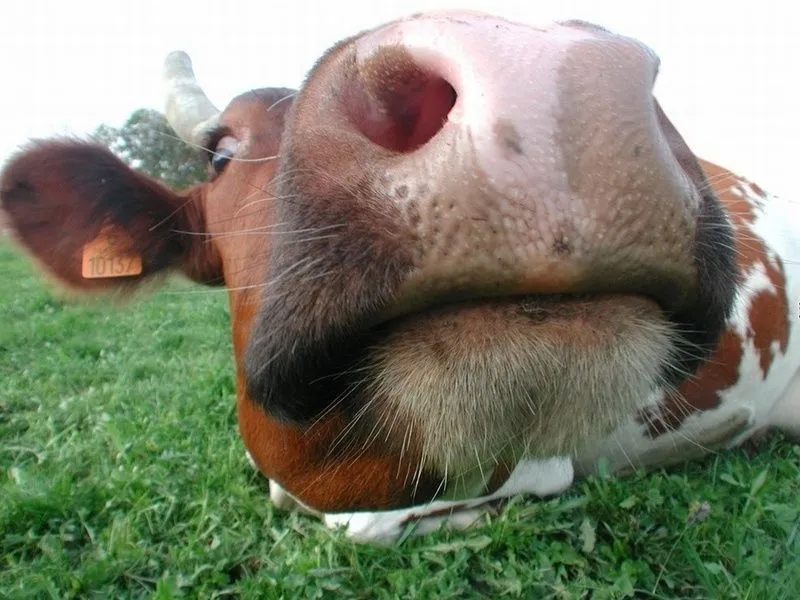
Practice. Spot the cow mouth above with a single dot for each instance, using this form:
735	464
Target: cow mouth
533	376
377	338
538	307
460	318
517	316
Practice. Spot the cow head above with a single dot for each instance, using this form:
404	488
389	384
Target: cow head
463	242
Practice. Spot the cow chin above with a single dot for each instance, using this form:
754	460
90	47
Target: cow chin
467	386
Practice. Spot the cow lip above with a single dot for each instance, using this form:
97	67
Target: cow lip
533	306
524	301
667	293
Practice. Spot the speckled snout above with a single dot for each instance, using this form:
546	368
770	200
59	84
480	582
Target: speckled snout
520	159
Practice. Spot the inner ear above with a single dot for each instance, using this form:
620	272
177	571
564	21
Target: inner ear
71	201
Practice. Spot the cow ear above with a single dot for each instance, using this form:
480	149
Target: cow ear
94	223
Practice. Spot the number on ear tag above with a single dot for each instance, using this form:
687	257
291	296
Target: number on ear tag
109	255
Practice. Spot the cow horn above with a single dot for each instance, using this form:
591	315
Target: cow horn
188	110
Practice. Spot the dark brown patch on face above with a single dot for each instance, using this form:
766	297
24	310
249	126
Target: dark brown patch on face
508	137
362	256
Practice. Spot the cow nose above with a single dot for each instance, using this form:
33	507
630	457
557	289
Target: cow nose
506	83
523	159
537	154
415	75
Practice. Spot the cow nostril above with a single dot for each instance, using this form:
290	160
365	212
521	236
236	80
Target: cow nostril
396	103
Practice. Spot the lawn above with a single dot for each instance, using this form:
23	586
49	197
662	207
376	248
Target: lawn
122	476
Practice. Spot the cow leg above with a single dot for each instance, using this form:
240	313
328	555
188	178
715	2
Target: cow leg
536	477
785	415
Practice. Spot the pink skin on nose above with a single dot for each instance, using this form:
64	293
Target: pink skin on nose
550	172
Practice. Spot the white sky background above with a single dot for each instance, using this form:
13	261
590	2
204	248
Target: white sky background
728	76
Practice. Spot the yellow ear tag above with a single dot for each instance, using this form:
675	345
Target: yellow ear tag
109	255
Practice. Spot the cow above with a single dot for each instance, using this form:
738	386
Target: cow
469	258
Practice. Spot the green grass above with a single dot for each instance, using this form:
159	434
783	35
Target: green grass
122	475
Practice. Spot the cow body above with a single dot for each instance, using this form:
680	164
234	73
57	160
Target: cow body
452	281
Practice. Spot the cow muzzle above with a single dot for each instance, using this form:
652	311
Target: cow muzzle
505	243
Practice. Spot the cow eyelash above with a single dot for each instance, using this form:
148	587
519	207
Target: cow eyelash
218	158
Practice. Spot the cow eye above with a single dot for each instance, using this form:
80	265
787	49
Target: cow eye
224	151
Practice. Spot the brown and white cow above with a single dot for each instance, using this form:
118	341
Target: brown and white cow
468	259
